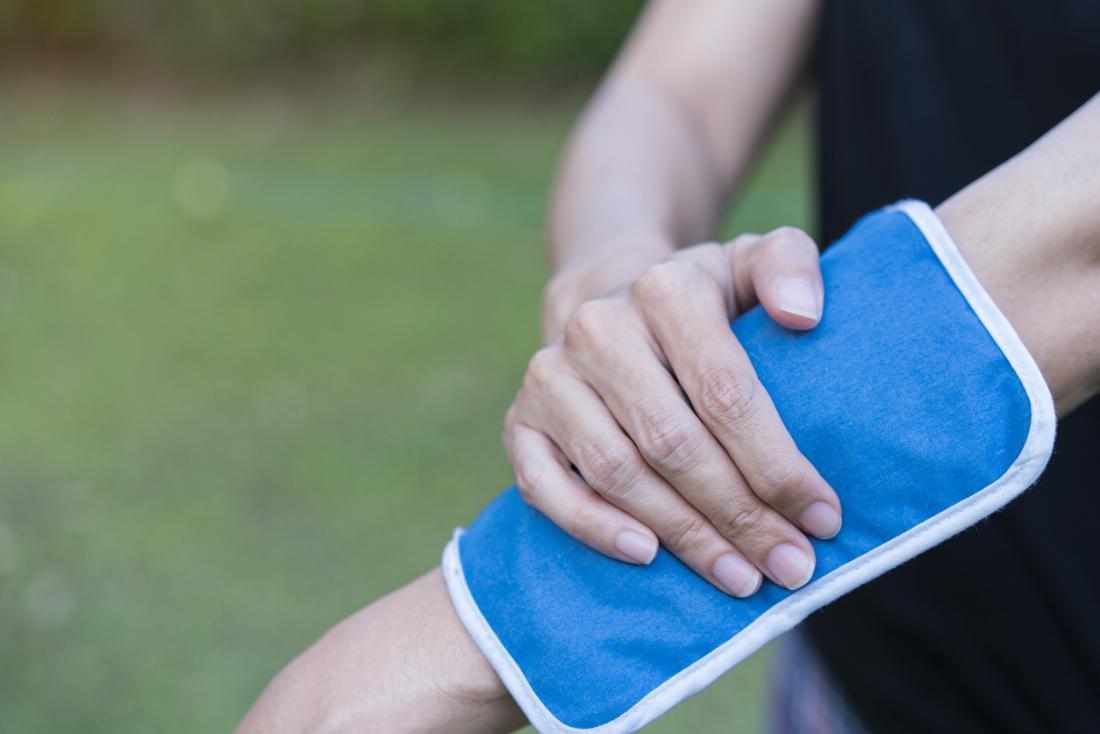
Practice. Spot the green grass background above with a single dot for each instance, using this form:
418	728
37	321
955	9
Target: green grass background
254	355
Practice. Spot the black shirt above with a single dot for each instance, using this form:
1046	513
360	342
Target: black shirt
997	629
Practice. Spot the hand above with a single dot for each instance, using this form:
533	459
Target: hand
614	265
654	402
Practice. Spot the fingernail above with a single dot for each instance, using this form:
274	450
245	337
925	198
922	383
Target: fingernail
736	575
790	566
798	297
821	519
636	546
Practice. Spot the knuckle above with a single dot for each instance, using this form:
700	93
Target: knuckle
541	369
792	237
662	282
667	442
739	247
782	478
700	255
727	396
741	520
711	249
586	324
685	534
578	520
530	480
607	467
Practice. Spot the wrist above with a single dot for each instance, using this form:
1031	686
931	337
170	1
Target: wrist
1043	277
597	272
405	663
1030	230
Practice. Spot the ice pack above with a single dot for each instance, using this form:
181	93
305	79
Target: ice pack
913	397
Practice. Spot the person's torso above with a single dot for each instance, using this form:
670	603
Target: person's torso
995	630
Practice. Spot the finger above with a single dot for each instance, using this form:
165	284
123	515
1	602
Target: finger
548	484
719	380
648	404
578	422
781	270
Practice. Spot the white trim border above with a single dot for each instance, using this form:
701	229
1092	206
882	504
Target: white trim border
796	607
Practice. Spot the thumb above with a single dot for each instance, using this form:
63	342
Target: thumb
782	270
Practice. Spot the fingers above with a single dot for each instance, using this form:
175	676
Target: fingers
547	483
574	418
719	380
782	270
646	401
760	516
650	396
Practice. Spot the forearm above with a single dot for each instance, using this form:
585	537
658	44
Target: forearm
635	180
1030	230
666	138
403	664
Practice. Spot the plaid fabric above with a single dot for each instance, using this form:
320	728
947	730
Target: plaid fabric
804	699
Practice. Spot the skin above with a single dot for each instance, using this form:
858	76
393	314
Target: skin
641	386
1030	230
403	664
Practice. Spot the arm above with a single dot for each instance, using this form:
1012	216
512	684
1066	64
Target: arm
645	393
1030	230
666	138
650	397
402	664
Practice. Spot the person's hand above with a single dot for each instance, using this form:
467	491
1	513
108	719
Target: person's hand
647	422
612	266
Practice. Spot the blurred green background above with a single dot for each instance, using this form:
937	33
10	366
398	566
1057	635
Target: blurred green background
535	39
259	324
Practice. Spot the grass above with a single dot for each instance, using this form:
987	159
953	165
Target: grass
253	360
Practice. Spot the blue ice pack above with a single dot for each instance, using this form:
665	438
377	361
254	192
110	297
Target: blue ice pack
914	398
